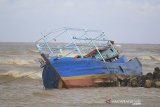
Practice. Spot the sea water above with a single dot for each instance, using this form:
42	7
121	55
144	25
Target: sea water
21	83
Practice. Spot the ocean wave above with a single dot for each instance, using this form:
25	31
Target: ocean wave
118	45
157	58
34	51
154	58
17	61
21	74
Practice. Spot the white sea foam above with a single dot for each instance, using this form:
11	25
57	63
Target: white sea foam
17	61
118	45
155	58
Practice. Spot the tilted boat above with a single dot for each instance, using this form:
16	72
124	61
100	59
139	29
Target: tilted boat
82	58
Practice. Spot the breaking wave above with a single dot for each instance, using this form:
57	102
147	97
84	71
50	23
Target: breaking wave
154	58
33	51
118	45
21	74
17	61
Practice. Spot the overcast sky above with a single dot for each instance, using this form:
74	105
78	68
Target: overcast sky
125	21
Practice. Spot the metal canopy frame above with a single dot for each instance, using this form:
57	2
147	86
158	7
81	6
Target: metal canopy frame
80	41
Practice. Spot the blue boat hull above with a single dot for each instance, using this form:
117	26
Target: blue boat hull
83	72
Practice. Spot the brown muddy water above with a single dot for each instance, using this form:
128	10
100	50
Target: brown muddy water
18	90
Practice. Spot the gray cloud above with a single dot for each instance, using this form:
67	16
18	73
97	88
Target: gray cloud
135	21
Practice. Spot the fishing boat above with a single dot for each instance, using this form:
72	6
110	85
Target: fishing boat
82	58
